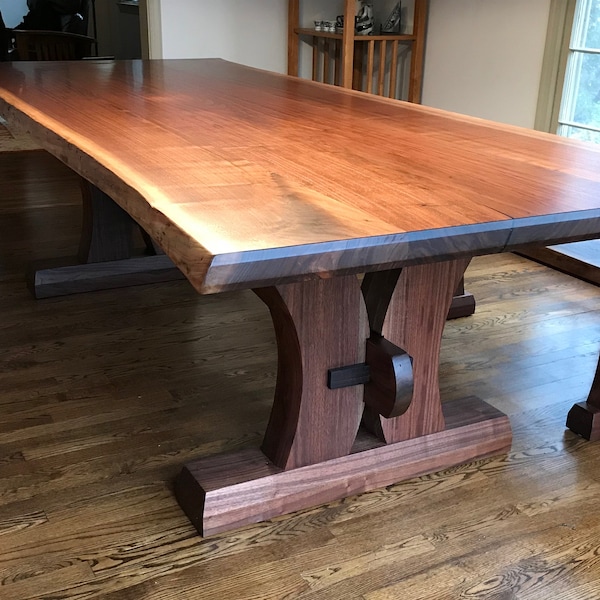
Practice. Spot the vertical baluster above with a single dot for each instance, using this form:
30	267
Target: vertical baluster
326	60
357	78
315	63
381	77
370	63
337	61
393	69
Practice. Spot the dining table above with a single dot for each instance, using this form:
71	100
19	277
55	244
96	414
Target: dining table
353	217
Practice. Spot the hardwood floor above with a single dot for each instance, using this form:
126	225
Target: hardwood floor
104	395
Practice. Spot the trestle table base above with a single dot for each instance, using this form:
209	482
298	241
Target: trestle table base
227	491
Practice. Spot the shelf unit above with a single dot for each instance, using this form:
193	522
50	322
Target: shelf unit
371	63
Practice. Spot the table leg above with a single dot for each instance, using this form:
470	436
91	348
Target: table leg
584	417
311	453
311	423
412	319
105	258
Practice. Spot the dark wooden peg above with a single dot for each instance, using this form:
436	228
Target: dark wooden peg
347	376
390	389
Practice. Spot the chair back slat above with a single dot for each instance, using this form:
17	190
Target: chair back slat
51	45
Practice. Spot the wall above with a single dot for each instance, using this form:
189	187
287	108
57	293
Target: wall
484	57
13	11
252	33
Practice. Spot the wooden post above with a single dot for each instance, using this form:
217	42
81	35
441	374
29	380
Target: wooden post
418	51
293	41
348	43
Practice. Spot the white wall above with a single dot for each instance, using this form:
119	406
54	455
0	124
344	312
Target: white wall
484	57
13	11
252	33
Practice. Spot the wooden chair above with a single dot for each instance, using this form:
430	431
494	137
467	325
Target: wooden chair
50	45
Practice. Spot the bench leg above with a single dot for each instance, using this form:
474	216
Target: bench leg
584	417
105	259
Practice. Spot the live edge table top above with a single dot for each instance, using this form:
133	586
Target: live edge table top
248	178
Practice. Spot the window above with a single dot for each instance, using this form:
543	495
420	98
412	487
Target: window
579	115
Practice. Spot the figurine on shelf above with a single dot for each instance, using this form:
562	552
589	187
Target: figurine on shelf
364	18
392	25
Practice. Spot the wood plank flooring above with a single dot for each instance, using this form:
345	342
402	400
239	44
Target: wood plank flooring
13	141
104	395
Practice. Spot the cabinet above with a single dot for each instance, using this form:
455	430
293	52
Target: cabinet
376	64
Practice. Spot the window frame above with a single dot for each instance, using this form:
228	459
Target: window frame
554	66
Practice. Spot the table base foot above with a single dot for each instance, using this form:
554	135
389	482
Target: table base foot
226	491
51	279
463	305
584	420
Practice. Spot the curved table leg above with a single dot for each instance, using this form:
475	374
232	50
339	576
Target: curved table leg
584	417
413	320
311	423
310	455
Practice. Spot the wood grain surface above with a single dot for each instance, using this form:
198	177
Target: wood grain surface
311	423
248	178
104	395
414	321
226	491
